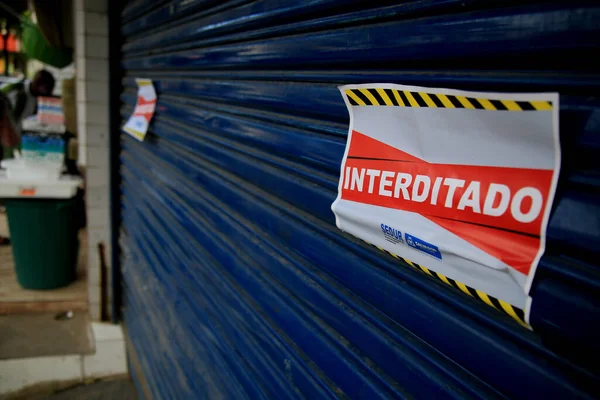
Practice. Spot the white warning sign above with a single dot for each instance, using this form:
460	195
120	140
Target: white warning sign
137	125
459	182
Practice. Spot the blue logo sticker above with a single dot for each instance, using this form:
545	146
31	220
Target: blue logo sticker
423	246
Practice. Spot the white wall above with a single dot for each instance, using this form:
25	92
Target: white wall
91	55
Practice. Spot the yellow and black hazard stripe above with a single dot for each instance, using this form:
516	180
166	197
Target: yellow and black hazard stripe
515	313
406	98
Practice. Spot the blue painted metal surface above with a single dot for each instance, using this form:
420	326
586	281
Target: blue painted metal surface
237	283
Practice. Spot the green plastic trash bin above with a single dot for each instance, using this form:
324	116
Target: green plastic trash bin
44	241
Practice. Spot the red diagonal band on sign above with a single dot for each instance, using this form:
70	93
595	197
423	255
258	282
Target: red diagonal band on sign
370	160
145	108
514	249
363	146
446	203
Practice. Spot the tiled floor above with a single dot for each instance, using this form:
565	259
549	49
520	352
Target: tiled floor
14	299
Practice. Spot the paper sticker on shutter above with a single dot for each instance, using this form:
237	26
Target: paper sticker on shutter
137	125
459	183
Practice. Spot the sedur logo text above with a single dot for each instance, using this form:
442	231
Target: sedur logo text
391	235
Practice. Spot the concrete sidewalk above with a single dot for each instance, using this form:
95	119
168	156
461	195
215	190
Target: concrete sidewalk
51	373
121	389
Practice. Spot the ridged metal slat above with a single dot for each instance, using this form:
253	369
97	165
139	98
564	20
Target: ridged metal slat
236	281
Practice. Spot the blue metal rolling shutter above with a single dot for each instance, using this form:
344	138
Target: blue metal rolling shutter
237	283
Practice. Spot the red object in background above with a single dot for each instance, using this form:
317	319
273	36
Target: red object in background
13	45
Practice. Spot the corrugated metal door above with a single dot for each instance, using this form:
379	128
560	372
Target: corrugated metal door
237	283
